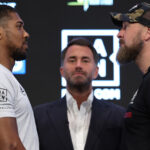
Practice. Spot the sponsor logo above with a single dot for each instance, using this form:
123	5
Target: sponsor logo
3	95
107	85
87	3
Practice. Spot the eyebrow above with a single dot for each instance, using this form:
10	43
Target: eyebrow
20	22
71	57
83	57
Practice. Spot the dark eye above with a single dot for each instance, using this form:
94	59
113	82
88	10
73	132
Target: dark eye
85	60
71	60
125	26
19	26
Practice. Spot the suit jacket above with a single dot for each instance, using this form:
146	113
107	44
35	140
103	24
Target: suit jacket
105	131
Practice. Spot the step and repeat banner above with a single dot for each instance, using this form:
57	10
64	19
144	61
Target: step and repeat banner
51	25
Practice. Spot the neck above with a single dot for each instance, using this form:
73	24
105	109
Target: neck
143	60
79	96
6	60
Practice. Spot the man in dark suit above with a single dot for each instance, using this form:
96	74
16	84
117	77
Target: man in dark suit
79	121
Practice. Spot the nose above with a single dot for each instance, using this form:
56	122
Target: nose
120	34
78	64
26	34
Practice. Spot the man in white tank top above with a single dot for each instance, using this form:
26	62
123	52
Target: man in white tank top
17	124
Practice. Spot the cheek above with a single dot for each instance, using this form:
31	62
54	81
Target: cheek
65	71
95	73
69	67
128	39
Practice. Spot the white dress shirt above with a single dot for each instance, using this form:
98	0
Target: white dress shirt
79	120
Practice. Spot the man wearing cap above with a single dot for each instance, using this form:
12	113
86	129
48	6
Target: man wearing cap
134	39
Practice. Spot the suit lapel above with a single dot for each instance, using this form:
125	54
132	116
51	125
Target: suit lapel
58	115
98	118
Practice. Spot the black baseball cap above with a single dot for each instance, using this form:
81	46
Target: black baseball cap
140	13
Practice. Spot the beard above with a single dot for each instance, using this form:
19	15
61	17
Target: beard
17	53
78	84
128	54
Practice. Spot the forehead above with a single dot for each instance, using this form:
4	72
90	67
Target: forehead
15	17
133	25
79	51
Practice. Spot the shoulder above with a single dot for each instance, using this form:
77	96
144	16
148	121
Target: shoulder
113	113
4	74
145	85
49	105
109	106
8	81
45	105
7	77
4	71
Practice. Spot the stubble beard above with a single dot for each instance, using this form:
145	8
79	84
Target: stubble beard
128	54
79	86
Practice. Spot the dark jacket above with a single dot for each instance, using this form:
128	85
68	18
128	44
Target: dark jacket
105	131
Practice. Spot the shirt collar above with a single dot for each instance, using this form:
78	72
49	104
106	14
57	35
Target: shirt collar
71	101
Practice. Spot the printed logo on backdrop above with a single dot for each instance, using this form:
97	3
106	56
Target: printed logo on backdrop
107	84
12	4
87	3
20	66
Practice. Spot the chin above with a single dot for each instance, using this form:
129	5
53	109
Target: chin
21	57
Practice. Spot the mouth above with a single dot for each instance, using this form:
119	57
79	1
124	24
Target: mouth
25	43
121	42
79	74
25	48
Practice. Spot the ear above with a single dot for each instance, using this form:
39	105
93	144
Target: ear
96	72
61	69
147	37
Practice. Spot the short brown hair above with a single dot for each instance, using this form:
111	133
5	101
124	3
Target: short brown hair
82	42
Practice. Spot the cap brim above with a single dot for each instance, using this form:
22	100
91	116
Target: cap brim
118	18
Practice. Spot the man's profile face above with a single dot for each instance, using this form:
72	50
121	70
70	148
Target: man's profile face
131	42
16	37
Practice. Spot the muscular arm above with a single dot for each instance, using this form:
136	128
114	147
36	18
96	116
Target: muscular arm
9	138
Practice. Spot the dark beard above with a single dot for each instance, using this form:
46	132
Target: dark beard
15	52
18	55
79	87
129	54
